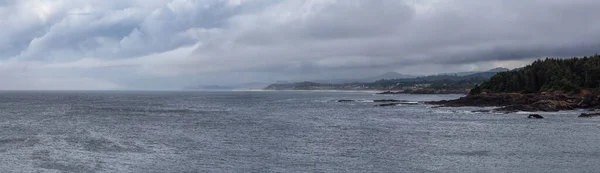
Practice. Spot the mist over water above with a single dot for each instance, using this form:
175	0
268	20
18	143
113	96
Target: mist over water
280	132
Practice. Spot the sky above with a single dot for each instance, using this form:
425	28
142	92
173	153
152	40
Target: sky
171	44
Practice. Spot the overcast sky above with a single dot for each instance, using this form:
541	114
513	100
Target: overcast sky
169	44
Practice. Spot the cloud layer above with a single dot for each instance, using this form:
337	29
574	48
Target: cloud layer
159	44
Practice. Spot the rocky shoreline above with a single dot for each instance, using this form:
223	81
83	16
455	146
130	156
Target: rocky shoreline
385	102
536	102
427	91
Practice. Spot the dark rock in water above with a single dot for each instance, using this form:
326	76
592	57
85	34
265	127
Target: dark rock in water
481	111
427	91
346	101
390	92
388	101
514	102
395	104
535	116
388	104
584	115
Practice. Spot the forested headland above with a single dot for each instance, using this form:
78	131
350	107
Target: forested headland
550	74
549	84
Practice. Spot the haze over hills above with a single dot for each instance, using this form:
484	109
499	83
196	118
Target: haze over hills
447	83
261	85
388	75
395	75
496	70
244	86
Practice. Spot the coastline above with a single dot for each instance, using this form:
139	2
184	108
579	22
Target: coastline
267	90
380	92
535	102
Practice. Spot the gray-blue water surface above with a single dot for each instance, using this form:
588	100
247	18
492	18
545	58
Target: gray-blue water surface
280	132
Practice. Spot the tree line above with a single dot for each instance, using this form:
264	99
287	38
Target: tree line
550	74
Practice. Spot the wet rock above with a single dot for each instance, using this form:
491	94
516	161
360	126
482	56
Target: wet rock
427	91
514	102
590	115
388	101
409	103
388	104
435	91
391	92
397	103
552	105
482	100
482	111
535	116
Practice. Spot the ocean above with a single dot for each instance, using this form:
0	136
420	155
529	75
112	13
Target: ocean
287	131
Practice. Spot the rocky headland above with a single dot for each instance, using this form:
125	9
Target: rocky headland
427	91
534	102
547	85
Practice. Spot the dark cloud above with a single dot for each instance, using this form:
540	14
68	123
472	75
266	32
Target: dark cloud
455	32
217	40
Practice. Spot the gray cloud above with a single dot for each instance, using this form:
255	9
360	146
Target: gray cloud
185	42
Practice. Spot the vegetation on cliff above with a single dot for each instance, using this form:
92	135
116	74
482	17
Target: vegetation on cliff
546	85
550	74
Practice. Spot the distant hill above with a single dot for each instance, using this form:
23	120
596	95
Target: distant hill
495	70
499	69
282	82
445	82
550	74
388	75
392	75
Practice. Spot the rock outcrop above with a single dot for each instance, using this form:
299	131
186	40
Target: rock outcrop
535	116
427	91
388	101
590	115
513	102
388	104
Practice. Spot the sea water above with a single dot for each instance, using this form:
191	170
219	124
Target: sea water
126	131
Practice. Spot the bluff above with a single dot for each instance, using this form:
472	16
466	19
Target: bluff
550	84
